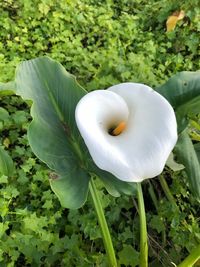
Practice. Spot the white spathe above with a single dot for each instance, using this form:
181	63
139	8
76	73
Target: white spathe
142	149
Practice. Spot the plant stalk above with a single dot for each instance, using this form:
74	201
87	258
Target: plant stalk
167	191
143	229
103	225
153	195
192	258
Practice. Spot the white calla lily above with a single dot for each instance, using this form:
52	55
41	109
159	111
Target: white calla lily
129	130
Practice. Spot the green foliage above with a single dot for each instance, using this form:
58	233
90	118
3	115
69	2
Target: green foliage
183	92
90	40
35	230
188	157
6	163
197	149
128	256
101	43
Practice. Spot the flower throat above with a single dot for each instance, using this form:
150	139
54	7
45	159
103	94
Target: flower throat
117	130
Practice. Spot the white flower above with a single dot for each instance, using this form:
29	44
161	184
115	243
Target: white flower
129	130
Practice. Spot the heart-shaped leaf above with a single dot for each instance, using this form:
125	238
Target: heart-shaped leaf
53	135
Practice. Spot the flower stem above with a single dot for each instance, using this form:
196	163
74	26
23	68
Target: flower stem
167	191
192	258
143	229
153	195
103	224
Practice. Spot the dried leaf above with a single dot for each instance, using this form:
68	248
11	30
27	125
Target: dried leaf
172	20
6	142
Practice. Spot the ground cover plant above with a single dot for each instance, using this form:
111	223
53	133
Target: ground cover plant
102	44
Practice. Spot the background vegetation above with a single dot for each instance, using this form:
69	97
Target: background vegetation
102	43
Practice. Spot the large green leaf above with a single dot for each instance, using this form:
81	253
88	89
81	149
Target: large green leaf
182	89
187	156
183	93
53	135
6	163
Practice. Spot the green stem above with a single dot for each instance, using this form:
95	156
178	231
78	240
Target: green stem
103	224
143	229
192	258
153	195
167	191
